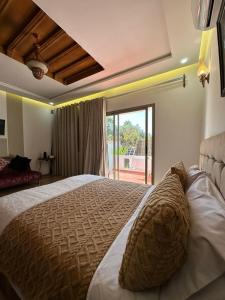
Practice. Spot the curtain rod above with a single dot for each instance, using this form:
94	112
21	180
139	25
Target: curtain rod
179	79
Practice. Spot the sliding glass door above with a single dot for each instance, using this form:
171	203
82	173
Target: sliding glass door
130	140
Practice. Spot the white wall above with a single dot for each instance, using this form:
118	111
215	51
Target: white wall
3	115
214	121
3	110
37	131
15	124
178	121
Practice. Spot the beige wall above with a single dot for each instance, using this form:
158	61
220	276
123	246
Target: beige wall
178	127
37	128
15	124
3	115
214	121
28	129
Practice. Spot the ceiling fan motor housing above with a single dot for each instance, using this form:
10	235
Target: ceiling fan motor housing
39	69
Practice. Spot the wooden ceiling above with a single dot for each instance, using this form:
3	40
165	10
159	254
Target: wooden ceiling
67	61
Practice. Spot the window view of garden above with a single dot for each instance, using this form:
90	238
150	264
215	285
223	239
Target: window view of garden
126	141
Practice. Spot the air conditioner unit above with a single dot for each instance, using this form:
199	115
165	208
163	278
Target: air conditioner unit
205	13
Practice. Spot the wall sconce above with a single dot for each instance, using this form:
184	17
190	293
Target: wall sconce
203	73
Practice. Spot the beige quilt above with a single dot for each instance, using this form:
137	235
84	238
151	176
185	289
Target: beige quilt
52	250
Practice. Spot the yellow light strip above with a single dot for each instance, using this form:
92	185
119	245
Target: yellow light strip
38	103
137	85
205	45
28	100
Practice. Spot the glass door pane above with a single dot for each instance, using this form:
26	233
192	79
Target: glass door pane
110	145
131	146
129	143
150	143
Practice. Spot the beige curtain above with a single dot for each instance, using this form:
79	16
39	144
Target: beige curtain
79	141
92	150
65	141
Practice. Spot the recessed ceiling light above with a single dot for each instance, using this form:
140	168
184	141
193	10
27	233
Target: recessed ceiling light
184	60
51	103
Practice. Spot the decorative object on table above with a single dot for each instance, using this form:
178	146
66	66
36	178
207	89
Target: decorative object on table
221	42
46	158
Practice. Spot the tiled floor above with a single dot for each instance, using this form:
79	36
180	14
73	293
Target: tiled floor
134	176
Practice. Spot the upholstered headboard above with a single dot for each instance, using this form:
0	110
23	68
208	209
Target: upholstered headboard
212	159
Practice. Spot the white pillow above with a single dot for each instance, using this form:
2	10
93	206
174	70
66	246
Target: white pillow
213	291
206	253
194	167
192	174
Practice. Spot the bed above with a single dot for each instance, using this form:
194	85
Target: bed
101	237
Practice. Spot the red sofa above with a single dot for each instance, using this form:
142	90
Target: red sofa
10	177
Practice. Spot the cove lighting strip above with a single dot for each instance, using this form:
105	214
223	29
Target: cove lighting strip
136	85
139	84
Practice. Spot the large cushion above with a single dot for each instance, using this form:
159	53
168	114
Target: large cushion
3	163
206	256
157	243
20	163
192	174
179	169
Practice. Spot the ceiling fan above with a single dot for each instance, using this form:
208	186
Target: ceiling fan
36	64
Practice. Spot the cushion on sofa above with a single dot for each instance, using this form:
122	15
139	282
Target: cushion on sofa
20	163
3	163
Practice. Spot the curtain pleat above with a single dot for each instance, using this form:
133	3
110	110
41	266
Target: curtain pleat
65	141
92	138
79	139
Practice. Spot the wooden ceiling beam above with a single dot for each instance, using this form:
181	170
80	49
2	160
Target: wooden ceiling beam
63	53
50	74
59	50
2	49
83	74
51	40
4	5
28	29
85	59
16	55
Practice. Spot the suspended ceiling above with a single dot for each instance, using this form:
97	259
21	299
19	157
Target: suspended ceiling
67	61
130	39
